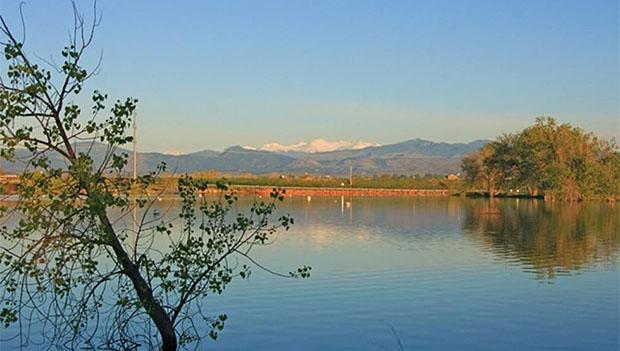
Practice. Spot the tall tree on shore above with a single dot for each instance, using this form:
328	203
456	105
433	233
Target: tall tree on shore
480	170
66	261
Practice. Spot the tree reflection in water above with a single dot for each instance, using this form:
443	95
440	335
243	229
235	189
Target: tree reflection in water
549	239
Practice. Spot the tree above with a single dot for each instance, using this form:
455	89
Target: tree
66	263
555	160
480	171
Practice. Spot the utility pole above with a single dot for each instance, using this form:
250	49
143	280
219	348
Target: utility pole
134	143
134	214
351	176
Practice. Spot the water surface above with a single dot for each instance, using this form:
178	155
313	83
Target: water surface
434	274
431	274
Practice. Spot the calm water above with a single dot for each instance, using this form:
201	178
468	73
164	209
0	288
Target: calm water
443	274
433	274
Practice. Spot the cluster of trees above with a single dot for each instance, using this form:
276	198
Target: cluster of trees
548	159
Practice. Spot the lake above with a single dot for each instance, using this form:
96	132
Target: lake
432	273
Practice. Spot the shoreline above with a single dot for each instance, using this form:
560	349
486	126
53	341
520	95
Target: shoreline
330	191
264	190
309	191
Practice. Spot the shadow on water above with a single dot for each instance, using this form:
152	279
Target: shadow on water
547	239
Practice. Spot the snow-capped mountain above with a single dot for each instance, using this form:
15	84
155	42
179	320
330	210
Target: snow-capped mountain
317	145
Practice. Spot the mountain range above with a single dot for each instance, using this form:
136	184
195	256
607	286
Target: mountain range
416	156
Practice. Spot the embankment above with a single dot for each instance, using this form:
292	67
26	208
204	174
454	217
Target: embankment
360	192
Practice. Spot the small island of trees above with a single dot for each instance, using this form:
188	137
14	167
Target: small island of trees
549	160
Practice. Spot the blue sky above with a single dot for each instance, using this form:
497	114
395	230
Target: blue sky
213	74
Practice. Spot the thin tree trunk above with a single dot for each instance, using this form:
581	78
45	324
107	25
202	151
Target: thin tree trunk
145	294
152	307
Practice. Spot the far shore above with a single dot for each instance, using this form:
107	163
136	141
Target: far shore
263	190
168	190
297	191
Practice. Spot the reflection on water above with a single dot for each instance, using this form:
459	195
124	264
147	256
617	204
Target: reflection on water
547	239
446	273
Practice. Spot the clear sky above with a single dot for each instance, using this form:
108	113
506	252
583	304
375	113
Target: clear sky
210	74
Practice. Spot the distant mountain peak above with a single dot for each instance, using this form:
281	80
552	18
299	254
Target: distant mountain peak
172	153
237	148
317	145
